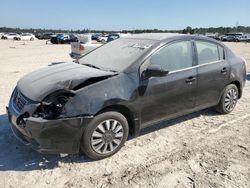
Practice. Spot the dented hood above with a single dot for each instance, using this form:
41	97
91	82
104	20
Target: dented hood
39	84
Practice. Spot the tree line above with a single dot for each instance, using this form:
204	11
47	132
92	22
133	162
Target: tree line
219	30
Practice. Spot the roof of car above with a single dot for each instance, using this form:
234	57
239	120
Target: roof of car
154	36
165	36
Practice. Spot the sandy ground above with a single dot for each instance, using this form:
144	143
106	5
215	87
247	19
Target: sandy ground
203	149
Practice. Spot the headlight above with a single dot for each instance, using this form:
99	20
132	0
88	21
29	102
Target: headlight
52	106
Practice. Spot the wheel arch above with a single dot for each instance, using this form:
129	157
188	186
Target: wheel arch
133	122
237	84
239	87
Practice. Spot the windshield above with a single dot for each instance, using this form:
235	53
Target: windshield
117	55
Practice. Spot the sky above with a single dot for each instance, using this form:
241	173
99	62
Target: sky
123	15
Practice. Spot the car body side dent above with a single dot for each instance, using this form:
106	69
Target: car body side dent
88	100
116	90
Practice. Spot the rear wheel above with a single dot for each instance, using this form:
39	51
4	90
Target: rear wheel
105	135
228	99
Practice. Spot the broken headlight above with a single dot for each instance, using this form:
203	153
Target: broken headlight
52	107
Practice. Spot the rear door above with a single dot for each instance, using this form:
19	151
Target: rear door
213	73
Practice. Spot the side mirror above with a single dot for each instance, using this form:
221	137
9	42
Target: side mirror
154	71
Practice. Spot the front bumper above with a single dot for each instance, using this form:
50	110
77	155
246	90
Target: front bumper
50	136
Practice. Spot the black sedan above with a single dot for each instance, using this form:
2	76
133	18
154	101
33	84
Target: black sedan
118	89
63	39
44	35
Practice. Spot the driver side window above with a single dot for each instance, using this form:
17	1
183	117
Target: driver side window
174	57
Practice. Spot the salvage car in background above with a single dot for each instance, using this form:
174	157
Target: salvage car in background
243	38
229	38
114	36
10	36
95	36
78	48
118	89
103	38
63	39
1	34
46	35
25	36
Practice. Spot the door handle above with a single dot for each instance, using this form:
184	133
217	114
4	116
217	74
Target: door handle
190	79
223	70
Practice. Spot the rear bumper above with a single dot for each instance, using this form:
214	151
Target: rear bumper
50	136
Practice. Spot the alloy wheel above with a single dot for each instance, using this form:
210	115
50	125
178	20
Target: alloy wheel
107	136
231	99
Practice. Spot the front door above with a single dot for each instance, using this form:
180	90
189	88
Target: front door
174	94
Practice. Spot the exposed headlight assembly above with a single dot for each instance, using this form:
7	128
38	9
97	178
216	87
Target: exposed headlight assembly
52	107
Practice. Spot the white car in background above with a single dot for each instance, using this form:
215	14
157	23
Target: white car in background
81	48
78	49
103	39
1	34
243	38
25	36
10	36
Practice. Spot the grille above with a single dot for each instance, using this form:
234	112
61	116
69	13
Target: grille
19	100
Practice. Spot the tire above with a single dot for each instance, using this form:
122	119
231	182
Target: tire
105	135
31	38
228	99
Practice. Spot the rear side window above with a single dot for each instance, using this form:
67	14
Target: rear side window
207	52
175	56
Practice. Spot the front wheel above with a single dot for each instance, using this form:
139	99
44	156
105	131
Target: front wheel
228	99
105	135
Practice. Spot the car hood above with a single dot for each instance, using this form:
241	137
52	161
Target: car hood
39	84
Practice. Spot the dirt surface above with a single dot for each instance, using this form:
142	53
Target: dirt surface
203	149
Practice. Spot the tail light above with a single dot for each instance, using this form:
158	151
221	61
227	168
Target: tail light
81	47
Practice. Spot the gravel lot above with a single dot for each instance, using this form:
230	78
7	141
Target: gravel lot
203	149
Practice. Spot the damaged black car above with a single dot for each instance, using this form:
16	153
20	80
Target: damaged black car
116	90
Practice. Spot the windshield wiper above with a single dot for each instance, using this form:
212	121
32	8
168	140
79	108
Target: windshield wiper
112	70
93	66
